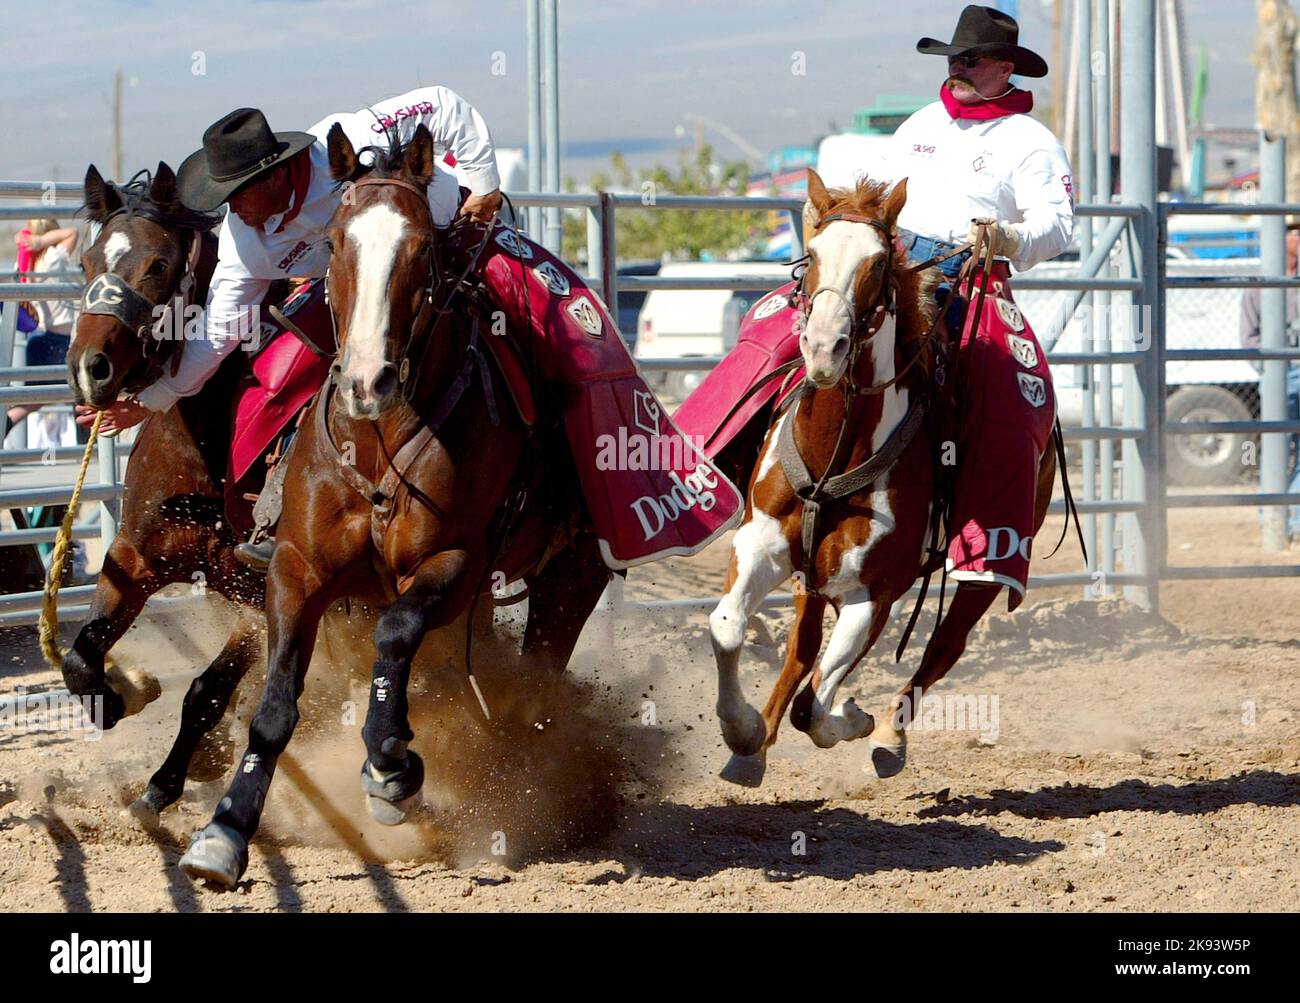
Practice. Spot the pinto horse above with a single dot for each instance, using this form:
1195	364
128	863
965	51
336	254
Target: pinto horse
406	485
864	414
151	251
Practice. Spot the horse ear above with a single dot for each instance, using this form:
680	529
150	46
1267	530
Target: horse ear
894	204
817	193
418	156
101	198
163	189
343	158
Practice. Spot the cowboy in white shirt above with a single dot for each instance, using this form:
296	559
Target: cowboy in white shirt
279	211
974	156
977	153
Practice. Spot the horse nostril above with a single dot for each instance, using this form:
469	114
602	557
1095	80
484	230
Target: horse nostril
386	382
100	369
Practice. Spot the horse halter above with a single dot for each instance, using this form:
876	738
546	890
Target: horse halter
110	295
886	302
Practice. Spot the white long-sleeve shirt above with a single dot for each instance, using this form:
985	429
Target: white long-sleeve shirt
1011	168
249	259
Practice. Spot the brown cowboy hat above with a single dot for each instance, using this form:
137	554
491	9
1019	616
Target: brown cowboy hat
983	31
237	149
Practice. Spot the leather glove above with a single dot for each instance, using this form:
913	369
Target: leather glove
1006	241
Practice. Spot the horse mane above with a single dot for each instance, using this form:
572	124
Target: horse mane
385	160
137	201
915	298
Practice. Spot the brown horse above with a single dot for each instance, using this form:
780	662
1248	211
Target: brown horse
869	345
406	484
149	251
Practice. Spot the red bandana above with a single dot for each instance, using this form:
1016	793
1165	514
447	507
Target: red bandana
1018	102
300	175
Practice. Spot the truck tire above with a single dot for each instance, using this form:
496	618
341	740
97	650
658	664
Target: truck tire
1205	458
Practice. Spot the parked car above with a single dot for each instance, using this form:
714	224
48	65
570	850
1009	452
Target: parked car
1195	391
681	323
631	301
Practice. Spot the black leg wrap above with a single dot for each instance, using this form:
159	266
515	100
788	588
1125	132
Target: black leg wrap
241	808
387	730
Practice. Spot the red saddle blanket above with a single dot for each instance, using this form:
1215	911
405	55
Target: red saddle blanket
767	341
1008	411
283	377
650	491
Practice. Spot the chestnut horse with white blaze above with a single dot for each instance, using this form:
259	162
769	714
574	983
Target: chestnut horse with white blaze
844	490
409	484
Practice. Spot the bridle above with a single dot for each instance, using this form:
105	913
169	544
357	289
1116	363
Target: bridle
866	324
430	313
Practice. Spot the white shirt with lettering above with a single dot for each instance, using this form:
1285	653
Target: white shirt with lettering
1011	168
249	259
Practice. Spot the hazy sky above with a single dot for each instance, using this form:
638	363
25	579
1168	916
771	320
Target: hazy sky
631	71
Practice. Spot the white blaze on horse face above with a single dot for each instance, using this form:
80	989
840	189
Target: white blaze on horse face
375	234
117	245
842	249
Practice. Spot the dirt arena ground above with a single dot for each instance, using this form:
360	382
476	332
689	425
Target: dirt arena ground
1123	762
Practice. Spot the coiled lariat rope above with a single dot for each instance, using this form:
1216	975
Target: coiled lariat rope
49	626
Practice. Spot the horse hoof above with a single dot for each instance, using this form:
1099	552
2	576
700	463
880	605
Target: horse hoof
217	854
137	688
391	812
745	771
886	760
148	807
390	797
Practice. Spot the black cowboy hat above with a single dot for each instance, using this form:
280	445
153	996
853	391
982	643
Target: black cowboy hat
236	150
983	31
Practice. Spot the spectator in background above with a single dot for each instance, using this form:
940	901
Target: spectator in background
44	246
1250	339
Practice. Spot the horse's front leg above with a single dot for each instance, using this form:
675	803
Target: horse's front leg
125	584
296	597
205	704
760	560
802	644
858	623
889	739
392	774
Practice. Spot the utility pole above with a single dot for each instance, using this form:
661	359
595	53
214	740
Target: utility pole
1276	107
1058	60
117	127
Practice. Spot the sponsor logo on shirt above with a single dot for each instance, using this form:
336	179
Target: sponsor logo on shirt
925	149
298	250
386	122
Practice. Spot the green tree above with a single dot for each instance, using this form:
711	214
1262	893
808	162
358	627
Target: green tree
680	234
